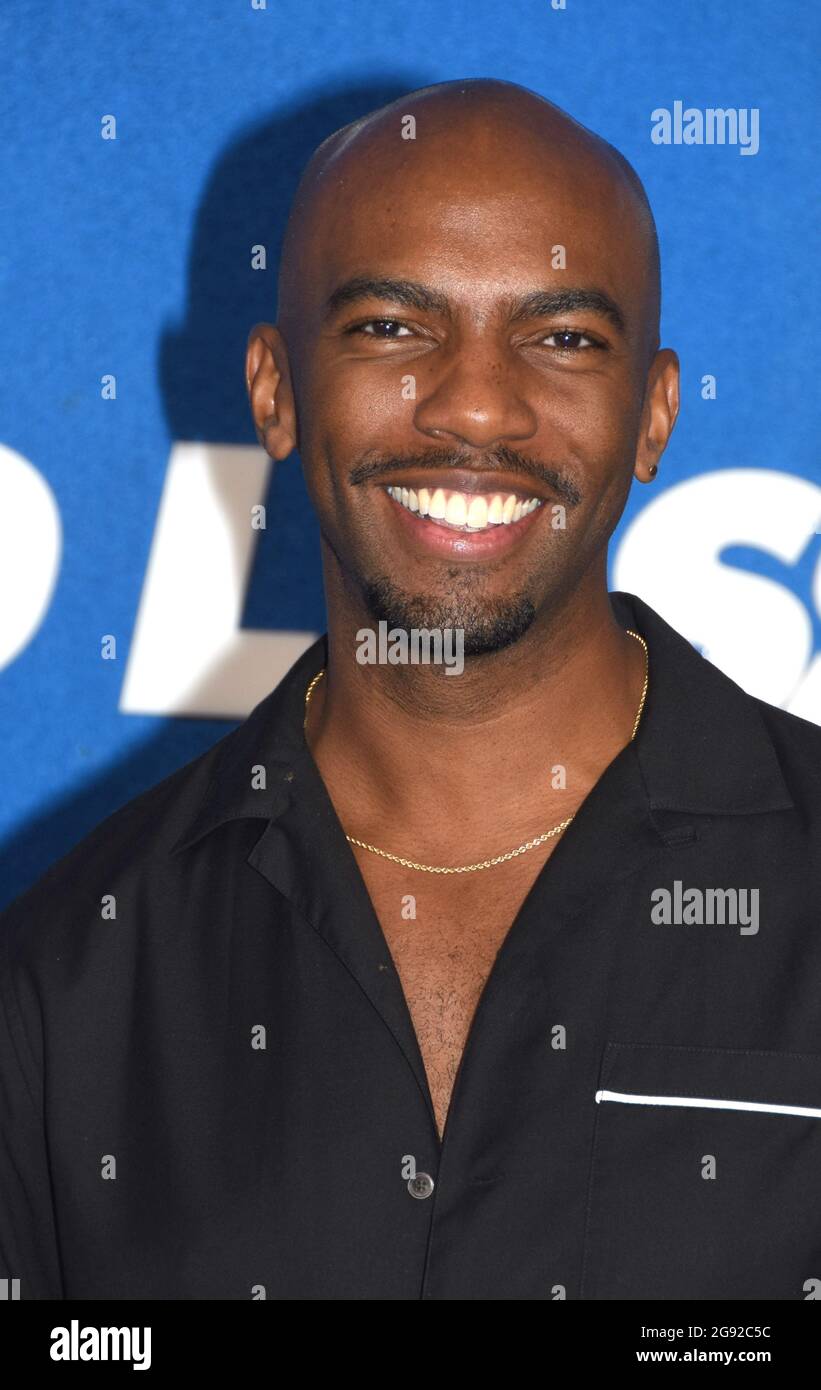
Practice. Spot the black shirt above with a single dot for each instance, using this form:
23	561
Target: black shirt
218	1092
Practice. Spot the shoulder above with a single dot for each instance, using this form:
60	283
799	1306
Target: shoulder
797	744
131	856
130	846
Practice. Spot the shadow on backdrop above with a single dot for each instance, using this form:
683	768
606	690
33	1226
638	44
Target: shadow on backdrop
201	372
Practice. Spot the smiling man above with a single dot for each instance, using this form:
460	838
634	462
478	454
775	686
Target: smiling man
373	1000
469	419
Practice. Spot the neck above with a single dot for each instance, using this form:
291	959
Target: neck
412	754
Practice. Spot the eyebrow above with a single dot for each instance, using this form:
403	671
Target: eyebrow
405	292
546	303
537	304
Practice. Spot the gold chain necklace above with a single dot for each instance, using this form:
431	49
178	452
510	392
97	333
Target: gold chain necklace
511	853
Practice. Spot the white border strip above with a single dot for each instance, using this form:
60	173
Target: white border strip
705	1103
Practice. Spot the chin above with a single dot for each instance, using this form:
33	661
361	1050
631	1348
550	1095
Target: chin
488	624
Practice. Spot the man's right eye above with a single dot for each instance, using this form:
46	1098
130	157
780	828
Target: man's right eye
369	324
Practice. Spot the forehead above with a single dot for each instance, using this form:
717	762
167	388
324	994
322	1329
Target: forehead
477	214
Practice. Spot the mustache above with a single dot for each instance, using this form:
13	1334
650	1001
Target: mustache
500	460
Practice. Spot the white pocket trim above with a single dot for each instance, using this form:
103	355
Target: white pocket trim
705	1103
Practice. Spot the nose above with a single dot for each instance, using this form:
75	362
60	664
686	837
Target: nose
476	400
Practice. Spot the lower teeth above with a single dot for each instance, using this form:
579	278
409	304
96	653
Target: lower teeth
440	521
472	530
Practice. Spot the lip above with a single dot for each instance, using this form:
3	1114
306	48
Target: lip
461	545
468	481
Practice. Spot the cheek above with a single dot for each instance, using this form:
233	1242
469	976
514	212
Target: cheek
351	412
593	421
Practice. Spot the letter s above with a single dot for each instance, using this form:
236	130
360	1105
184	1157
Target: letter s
757	631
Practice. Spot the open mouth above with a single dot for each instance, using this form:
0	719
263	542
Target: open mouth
465	512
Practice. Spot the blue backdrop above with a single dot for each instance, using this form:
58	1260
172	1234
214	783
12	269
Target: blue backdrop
148	149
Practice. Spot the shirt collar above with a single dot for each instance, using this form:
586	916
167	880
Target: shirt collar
702	746
270	738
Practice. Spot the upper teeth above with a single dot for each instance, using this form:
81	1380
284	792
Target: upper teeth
469	511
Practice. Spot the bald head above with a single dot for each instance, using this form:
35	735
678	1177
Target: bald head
469	304
460	139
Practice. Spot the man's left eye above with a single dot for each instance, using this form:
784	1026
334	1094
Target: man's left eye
569	340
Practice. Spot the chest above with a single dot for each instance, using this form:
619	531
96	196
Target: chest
444	933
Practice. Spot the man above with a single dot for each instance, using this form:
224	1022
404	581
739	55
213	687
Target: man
500	984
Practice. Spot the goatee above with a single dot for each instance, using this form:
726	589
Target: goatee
489	625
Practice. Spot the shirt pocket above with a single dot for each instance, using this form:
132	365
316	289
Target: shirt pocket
705	1175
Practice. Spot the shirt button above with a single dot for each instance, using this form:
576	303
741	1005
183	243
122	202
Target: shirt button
421	1186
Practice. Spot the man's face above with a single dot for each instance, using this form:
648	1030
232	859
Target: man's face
433	356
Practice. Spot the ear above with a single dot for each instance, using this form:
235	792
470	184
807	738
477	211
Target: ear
270	392
659	415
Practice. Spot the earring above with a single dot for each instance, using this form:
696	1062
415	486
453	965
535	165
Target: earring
653	470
